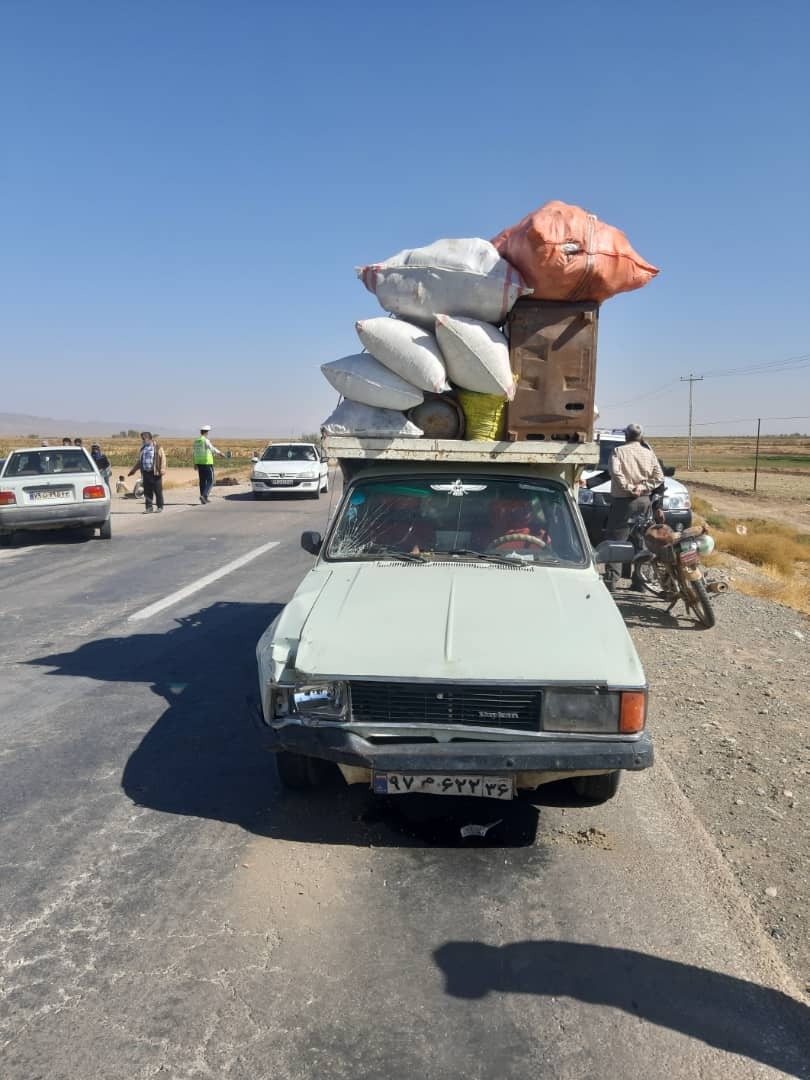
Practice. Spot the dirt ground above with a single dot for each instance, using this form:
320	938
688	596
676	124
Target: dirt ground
793	487
792	509
729	716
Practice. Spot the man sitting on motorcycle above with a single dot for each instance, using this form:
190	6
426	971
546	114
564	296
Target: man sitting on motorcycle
635	474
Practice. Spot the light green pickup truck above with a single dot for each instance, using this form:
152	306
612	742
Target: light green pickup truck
454	635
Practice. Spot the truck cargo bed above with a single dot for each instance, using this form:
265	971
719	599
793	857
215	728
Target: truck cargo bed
504	453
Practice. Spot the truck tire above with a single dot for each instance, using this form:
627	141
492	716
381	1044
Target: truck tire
597	789
294	770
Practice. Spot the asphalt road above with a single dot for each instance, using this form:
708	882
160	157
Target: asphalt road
167	912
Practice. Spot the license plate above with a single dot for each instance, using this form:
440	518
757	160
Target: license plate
486	787
282	483
50	495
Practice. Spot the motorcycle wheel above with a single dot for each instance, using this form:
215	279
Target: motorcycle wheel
700	603
652	576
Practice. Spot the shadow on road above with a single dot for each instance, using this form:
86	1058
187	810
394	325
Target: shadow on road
640	609
203	756
728	1013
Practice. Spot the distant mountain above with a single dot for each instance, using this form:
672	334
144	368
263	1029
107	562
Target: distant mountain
47	426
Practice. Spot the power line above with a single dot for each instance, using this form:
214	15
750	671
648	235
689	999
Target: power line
771	367
691	380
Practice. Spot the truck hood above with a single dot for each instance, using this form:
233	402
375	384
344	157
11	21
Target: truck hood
464	621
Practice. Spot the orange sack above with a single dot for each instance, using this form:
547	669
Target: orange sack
565	253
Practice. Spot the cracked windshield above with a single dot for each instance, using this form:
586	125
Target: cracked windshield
419	519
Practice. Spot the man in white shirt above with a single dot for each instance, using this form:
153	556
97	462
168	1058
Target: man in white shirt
635	472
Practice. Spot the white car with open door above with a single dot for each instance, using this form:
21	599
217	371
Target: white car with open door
288	468
52	487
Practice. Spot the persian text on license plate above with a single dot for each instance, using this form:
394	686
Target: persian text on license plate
50	494
282	483
487	787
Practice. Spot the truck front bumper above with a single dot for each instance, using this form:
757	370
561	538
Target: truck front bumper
539	755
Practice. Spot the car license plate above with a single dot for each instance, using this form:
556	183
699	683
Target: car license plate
486	787
282	483
50	495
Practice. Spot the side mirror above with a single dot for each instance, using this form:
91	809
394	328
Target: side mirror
312	542
669	470
614	551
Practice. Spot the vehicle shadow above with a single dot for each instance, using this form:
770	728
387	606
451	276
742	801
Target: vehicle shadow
730	1014
204	757
37	538
640	609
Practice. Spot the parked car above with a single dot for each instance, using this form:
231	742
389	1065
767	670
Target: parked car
290	467
412	654
50	487
594	502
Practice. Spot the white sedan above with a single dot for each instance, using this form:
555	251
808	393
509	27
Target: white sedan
52	487
290	467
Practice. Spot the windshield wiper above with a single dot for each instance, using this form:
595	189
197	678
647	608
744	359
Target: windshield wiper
392	553
487	556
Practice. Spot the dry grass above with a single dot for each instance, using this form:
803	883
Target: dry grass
792	591
123	452
780	553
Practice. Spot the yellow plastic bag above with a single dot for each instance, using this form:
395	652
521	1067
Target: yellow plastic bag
484	415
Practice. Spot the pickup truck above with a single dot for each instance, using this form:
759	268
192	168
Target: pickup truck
454	635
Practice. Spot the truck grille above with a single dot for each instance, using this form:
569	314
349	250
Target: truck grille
435	703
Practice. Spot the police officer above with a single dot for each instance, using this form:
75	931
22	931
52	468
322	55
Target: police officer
204	451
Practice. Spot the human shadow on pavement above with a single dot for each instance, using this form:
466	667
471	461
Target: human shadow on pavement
720	1010
203	756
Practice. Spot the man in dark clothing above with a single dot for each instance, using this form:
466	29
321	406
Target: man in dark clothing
152	465
102	463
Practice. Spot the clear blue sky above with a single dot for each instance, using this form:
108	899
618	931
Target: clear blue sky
187	186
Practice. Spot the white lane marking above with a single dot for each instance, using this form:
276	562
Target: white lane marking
201	583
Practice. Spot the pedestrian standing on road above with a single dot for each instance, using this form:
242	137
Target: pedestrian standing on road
77	442
204	451
152	464
102	463
67	441
635	472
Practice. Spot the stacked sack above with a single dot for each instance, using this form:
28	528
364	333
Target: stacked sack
448	301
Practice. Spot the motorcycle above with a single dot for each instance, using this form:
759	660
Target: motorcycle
667	564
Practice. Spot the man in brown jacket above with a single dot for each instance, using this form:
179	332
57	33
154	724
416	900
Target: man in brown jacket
635	472
152	464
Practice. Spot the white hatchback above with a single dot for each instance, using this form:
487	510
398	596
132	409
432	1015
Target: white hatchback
289	468
52	487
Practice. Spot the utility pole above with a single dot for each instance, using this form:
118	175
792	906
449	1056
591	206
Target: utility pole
690	380
756	455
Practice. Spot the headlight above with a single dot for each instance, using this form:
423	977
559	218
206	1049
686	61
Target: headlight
325	700
676	502
585	496
310	475
588	710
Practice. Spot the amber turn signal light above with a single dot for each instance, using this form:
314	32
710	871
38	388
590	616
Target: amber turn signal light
633	712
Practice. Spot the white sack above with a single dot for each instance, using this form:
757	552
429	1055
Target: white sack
351	418
362	378
408	350
451	277
477	356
